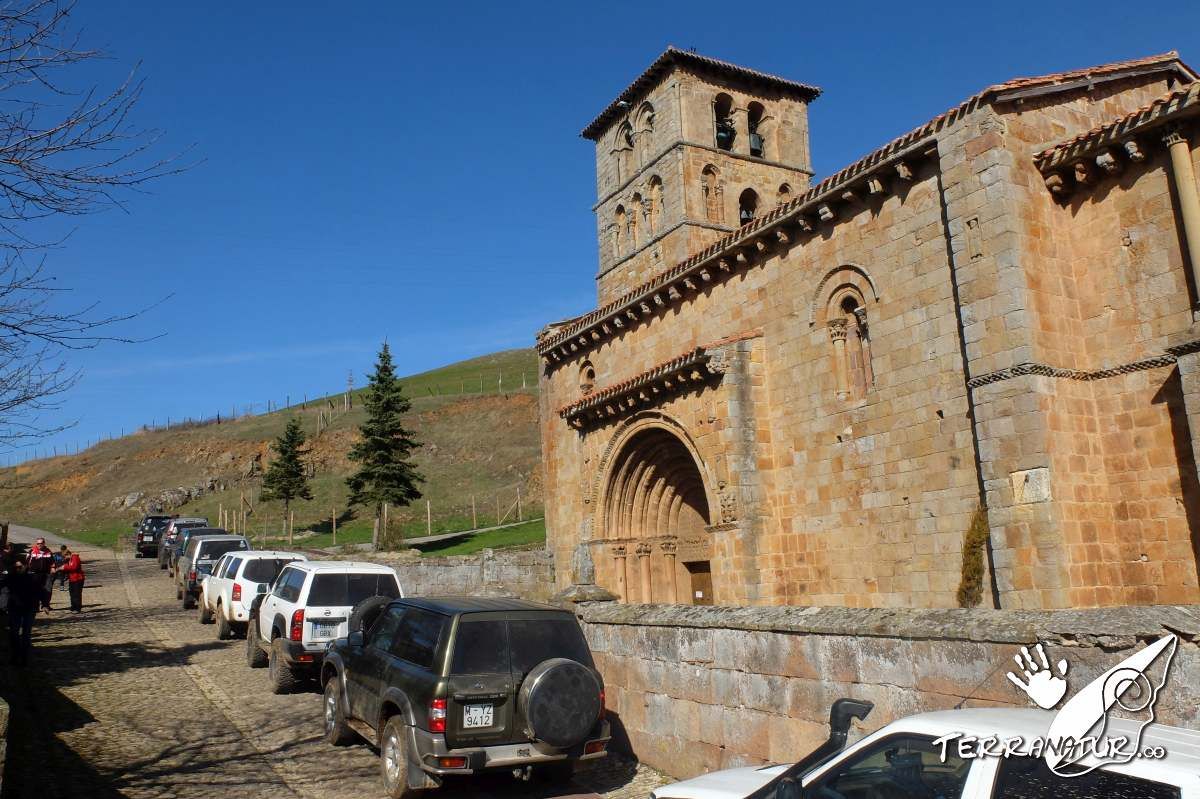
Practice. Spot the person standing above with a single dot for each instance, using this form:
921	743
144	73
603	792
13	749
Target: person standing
73	568
60	560
41	569
24	596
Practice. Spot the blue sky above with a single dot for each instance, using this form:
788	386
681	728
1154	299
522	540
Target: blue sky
414	171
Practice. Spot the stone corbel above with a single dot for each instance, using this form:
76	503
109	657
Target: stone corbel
1134	151
1108	162
825	211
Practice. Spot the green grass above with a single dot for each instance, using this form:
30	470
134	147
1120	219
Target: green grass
108	536
533	532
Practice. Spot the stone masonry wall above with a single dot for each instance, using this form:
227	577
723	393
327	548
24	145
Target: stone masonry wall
523	573
693	689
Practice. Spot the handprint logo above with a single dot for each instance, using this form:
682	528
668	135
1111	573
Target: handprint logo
1041	684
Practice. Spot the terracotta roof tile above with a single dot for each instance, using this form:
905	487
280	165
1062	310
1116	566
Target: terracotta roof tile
672	56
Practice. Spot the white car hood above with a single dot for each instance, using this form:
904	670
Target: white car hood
733	783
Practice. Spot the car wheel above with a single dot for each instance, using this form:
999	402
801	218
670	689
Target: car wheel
337	732
283	676
189	601
393	759
162	565
178	591
256	658
224	631
206	616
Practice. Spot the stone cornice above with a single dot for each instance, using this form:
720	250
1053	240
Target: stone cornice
877	174
1045	370
1078	162
667	378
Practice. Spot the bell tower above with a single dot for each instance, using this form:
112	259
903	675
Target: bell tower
687	153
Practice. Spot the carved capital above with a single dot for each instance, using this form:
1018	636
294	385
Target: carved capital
1173	135
837	329
643	550
728	506
669	547
860	318
618	551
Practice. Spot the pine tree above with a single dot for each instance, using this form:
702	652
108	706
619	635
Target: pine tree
384	449
287	476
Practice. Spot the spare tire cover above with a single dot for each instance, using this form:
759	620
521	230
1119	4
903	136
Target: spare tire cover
560	699
366	612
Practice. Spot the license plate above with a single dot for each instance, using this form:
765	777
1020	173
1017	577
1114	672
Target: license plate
478	716
325	629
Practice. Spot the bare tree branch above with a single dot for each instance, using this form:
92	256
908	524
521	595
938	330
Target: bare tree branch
63	152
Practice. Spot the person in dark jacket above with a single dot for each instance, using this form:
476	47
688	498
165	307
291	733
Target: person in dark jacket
60	560
24	596
73	568
41	568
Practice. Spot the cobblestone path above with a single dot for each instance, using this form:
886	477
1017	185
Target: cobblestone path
135	698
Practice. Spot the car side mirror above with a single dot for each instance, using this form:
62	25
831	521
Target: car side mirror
355	639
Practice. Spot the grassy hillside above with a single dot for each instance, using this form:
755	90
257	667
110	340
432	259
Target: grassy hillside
481	445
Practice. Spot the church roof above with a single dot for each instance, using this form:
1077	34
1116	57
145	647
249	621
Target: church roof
673	56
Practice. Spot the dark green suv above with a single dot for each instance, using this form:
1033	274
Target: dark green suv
452	686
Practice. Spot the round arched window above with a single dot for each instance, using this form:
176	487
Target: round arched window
587	377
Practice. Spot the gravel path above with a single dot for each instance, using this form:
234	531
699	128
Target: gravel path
135	698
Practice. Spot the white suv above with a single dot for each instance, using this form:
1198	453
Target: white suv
920	756
227	594
307	608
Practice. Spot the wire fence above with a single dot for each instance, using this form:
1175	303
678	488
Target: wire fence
481	383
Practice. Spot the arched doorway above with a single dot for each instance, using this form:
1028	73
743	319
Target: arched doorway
655	502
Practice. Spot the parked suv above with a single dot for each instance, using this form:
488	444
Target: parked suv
308	607
147	533
170	536
205	547
464	685
227	594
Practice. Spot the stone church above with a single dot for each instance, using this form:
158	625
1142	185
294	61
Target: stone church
809	393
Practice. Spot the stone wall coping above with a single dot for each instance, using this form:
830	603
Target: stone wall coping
1118	627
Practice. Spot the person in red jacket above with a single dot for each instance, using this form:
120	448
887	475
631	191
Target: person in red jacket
74	569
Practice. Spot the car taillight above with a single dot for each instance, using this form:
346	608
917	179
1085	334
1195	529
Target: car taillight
192	576
237	592
437	715
297	632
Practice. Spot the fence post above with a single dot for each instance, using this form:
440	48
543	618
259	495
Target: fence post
428	519
384	534
375	534
520	516
291	523
497	510
474	521
333	516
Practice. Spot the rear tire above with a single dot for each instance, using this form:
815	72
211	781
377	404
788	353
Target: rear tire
393	759
256	658
206	616
189	601
337	732
224	630
178	591
284	679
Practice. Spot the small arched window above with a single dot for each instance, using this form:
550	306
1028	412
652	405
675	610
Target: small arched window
754	118
587	378
624	150
747	206
636	209
785	193
619	224
656	204
724	130
713	195
643	130
851	341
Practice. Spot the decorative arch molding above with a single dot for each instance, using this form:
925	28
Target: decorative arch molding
610	459
842	277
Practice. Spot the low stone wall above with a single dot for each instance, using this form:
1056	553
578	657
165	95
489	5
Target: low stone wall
524	573
693	689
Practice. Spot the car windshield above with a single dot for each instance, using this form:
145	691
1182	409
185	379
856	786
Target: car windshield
157	525
264	570
215	549
346	590
480	646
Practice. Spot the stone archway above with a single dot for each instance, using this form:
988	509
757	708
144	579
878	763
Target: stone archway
654	499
